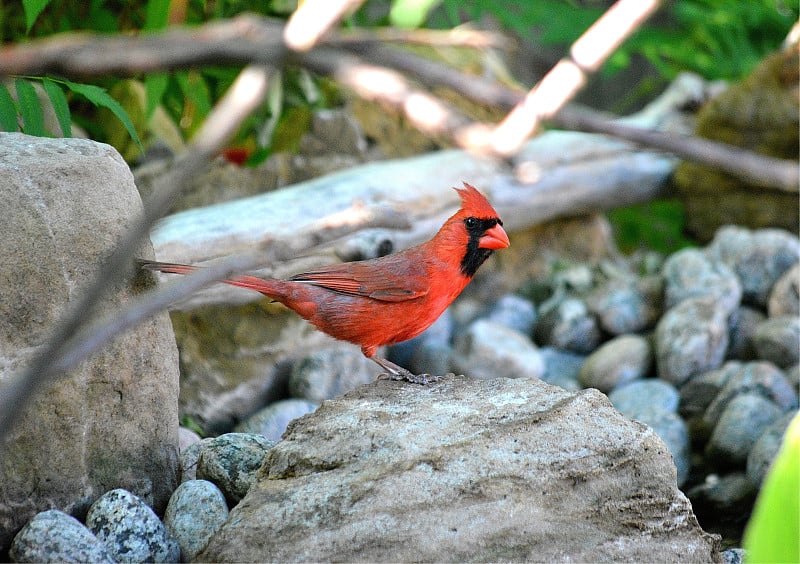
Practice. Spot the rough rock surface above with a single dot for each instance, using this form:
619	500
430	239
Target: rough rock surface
465	470
112	422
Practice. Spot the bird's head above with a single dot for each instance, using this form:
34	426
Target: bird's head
476	228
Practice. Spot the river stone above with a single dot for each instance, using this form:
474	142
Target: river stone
194	513
741	326
490	350
113	420
329	372
759	258
130	529
515	312
627	306
568	325
54	536
460	470
616	363
777	340
692	337
643	395
189	458
562	368
230	461
690	274
272	420
740	425
766	448
784	299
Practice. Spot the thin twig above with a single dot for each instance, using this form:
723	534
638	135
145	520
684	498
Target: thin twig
570	75
313	19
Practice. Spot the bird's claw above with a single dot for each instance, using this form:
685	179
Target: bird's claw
408	376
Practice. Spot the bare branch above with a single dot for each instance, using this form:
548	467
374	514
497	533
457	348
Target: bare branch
570	75
313	19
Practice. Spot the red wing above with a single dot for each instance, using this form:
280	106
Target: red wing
368	280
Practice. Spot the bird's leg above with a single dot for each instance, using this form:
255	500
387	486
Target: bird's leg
395	372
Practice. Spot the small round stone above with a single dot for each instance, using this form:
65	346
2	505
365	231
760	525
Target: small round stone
784	299
130	529
616	363
690	274
194	513
568	325
273	420
623	306
742	422
742	326
562	368
329	372
692	337
645	395
766	448
231	462
777	339
515	312
490	350
55	536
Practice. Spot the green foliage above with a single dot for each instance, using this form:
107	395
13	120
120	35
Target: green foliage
658	225
773	533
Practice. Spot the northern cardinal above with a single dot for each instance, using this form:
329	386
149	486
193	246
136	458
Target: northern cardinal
389	299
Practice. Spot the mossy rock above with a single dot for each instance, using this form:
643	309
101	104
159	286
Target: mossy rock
761	114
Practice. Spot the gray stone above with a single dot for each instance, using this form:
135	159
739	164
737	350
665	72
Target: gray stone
272	420
568	325
490	350
753	377
759	258
624	306
723	498
617	362
766	448
130	529
777	340
54	536
436	336
644	395
698	393
329	372
741	326
231	460
186	438
793	376
189	459
562	368
195	512
431	357
692	337
673	431
113	420
515	312
690	274
784	299
465	470
742	422
733	556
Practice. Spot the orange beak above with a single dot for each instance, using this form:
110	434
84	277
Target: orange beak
494	238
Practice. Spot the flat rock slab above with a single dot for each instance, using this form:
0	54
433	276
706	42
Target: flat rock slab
465	470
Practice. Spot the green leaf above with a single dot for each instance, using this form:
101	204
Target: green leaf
157	15
30	108
8	110
99	97
60	106
196	90
154	86
411	13
32	10
771	535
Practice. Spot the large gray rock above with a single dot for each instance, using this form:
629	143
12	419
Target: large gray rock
465	470
113	421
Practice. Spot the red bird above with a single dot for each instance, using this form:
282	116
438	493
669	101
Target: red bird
389	299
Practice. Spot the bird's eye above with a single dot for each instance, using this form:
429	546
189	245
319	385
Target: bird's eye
471	223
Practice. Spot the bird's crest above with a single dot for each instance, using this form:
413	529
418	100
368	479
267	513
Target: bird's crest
473	203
